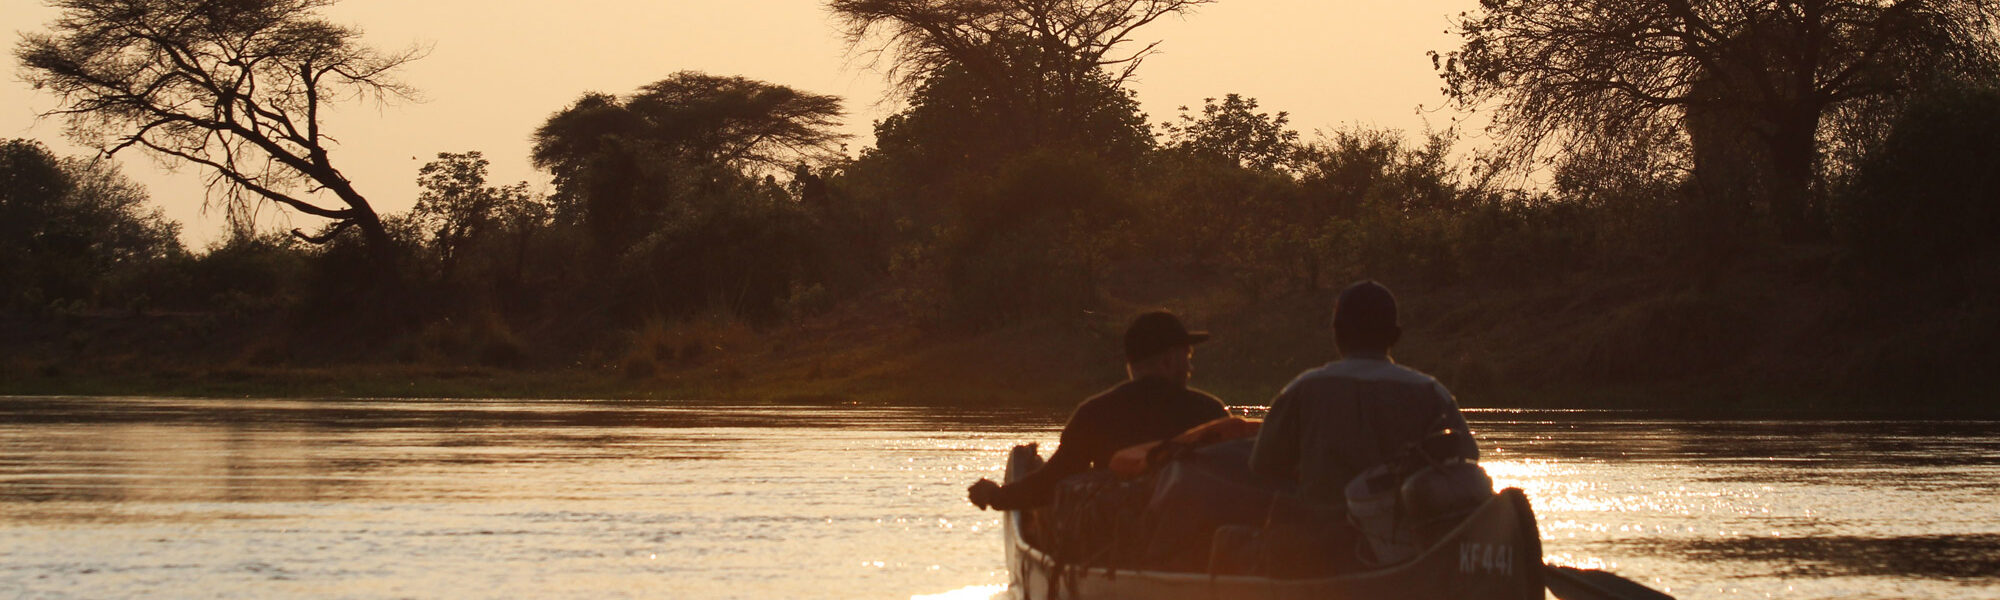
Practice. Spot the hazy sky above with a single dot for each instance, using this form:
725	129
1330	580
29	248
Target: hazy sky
498	68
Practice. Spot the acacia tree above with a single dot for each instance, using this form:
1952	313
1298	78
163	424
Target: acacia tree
614	159
236	87
955	122
1579	72
738	122
1038	57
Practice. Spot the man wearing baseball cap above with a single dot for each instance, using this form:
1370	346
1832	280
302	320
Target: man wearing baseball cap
1154	404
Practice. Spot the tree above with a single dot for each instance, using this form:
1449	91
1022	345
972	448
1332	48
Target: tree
1034	56
32	186
455	207
955	121
1362	170
66	224
1770	74
738	122
1923	204
236	87
1235	132
617	161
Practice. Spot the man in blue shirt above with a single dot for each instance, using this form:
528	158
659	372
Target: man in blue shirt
1333	422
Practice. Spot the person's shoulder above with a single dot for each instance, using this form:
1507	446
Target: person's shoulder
1116	392
1408	374
1327	371
1203	396
1382	371
1198	392
1114	395
1417	380
1359	370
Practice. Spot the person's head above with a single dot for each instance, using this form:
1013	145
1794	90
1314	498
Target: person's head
1157	344
1364	320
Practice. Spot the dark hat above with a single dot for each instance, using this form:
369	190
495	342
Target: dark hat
1365	306
1157	331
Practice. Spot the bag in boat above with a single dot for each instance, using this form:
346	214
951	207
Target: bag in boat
1403	506
1194	495
1096	520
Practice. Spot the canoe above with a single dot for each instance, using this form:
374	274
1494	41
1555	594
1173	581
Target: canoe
1495	554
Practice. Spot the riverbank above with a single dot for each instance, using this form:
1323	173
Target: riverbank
1775	335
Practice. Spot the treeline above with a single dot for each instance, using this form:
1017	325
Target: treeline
76	234
963	232
1021	183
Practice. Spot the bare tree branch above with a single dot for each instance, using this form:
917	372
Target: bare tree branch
235	88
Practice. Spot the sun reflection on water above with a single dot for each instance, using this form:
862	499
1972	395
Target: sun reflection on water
248	498
977	592
1566	559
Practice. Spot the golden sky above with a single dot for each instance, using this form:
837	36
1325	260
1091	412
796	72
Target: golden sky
498	68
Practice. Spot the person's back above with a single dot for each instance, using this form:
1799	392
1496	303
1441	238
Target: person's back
1334	422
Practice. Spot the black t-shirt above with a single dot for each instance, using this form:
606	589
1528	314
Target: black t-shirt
1134	412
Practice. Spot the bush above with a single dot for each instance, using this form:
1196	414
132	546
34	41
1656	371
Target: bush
1927	200
741	250
1030	244
74	232
247	274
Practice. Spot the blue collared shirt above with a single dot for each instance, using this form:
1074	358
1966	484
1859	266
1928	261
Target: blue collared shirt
1333	422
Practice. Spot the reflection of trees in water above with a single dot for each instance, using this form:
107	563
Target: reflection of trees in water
520	414
70	450
145	463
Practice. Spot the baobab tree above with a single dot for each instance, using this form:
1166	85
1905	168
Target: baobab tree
1770	76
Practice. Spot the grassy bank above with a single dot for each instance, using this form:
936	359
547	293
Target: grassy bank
1768	335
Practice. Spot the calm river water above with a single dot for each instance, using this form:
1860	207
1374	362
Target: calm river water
176	498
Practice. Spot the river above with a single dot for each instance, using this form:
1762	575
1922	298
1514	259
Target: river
245	498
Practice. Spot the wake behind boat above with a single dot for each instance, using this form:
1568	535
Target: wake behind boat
1495	553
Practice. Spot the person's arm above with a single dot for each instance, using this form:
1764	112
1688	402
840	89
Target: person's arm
1276	454
1463	446
1072	456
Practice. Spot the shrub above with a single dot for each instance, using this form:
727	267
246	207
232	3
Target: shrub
1927	200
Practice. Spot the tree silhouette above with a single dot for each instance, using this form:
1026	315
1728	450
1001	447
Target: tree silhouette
1769	74
66	223
956	121
738	122
1235	132
617	161
455	207
236	87
1922	206
1037	57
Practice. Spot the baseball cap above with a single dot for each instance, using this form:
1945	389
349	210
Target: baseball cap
1155	332
1365	306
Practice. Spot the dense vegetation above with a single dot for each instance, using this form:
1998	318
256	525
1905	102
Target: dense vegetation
708	234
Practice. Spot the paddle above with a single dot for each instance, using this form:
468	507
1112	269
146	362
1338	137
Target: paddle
1570	583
